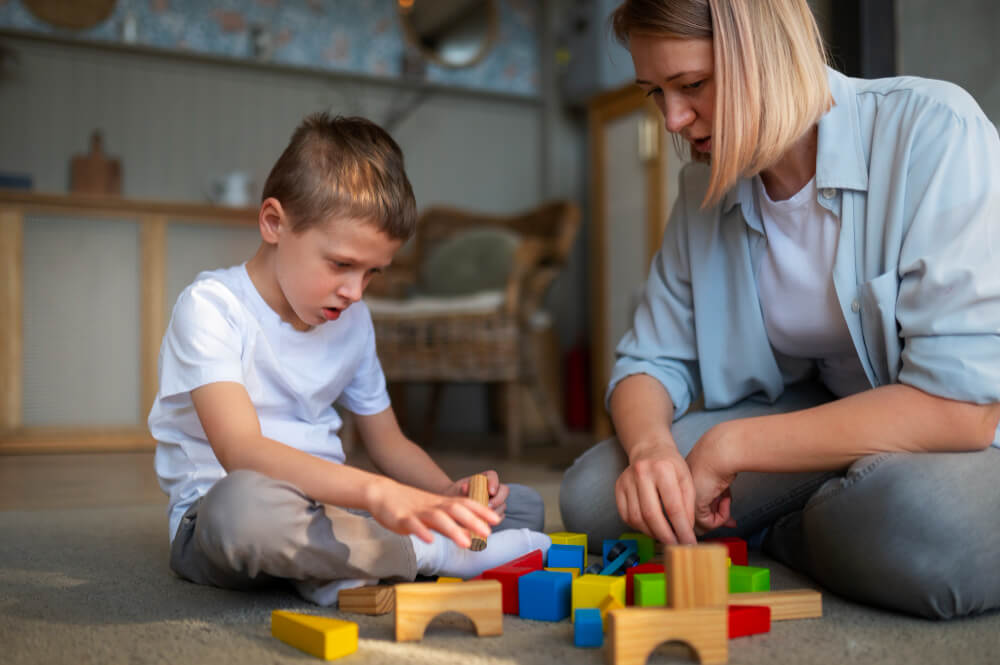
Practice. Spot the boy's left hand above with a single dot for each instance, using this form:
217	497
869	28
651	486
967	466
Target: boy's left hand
498	492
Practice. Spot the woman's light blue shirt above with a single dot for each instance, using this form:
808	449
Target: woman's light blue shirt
911	167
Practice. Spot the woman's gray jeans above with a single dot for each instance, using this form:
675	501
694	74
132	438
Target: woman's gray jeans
915	533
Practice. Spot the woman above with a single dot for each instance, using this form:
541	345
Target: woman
829	284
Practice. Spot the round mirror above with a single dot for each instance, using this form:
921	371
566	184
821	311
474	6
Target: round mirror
453	33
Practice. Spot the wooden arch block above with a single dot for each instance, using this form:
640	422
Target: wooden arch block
418	604
633	633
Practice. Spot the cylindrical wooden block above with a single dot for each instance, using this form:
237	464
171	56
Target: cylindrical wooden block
478	492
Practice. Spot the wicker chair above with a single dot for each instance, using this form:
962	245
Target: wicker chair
480	337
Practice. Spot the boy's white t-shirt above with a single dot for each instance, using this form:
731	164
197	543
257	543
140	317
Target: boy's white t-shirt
222	330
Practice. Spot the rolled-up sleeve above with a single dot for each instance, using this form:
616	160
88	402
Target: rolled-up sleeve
948	304
661	342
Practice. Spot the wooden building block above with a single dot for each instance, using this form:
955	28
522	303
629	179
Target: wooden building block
590	590
633	633
479	493
785	605
697	576
322	637
569	538
749	620
366	600
417	604
737	548
743	579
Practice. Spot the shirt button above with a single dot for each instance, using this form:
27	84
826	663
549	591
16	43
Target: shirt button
855	306
829	193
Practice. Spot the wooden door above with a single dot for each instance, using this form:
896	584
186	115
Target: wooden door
628	184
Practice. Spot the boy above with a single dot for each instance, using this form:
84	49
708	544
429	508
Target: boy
251	363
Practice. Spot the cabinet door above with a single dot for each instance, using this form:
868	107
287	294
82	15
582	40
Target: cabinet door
628	203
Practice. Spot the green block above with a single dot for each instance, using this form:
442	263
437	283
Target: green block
649	589
644	542
744	579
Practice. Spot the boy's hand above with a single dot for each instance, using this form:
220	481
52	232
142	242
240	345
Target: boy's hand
407	510
498	492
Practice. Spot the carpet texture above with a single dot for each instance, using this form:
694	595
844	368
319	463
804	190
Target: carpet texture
92	586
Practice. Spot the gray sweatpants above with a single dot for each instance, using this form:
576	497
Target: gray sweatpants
916	533
251	531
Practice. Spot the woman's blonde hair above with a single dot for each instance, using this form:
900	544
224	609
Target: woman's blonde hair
770	74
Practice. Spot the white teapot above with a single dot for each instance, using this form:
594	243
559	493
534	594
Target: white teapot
232	189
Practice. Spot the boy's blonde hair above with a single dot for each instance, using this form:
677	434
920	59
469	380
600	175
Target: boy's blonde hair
770	74
343	167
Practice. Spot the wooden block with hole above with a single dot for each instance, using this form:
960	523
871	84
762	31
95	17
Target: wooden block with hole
785	605
417	605
373	600
633	633
322	637
697	576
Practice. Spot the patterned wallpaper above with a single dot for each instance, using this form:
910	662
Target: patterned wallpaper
355	36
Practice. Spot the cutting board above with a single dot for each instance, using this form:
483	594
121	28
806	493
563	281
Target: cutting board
95	172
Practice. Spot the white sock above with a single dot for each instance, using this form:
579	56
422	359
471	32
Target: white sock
444	557
325	593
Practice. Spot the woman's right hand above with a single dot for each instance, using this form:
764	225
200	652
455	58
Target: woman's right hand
655	493
407	510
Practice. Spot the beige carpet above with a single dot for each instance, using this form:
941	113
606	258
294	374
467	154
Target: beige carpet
91	585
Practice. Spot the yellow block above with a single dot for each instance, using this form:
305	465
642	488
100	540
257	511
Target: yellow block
591	590
609	603
569	538
449	580
322	637
575	572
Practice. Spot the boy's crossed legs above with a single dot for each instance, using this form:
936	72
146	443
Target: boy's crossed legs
251	531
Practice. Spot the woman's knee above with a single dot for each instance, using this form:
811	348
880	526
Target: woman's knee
907	532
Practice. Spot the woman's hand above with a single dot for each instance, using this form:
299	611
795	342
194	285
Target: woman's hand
498	492
407	510
712	472
655	494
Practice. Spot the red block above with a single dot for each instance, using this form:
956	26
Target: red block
508	575
737	549
641	568
749	620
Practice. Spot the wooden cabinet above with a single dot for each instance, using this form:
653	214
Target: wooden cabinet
632	180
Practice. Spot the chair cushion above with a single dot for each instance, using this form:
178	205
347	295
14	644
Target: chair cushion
469	262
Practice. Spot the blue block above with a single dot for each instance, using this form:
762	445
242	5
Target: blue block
630	546
545	595
588	631
566	556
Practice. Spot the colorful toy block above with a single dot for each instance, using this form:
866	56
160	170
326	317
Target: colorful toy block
508	575
612	549
737	549
575	572
544	595
650	589
590	590
322	637
569	538
608	604
791	604
647	546
567	556
749	578
638	570
593	569
448	580
588	629
621	563
372	600
749	620
417	605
